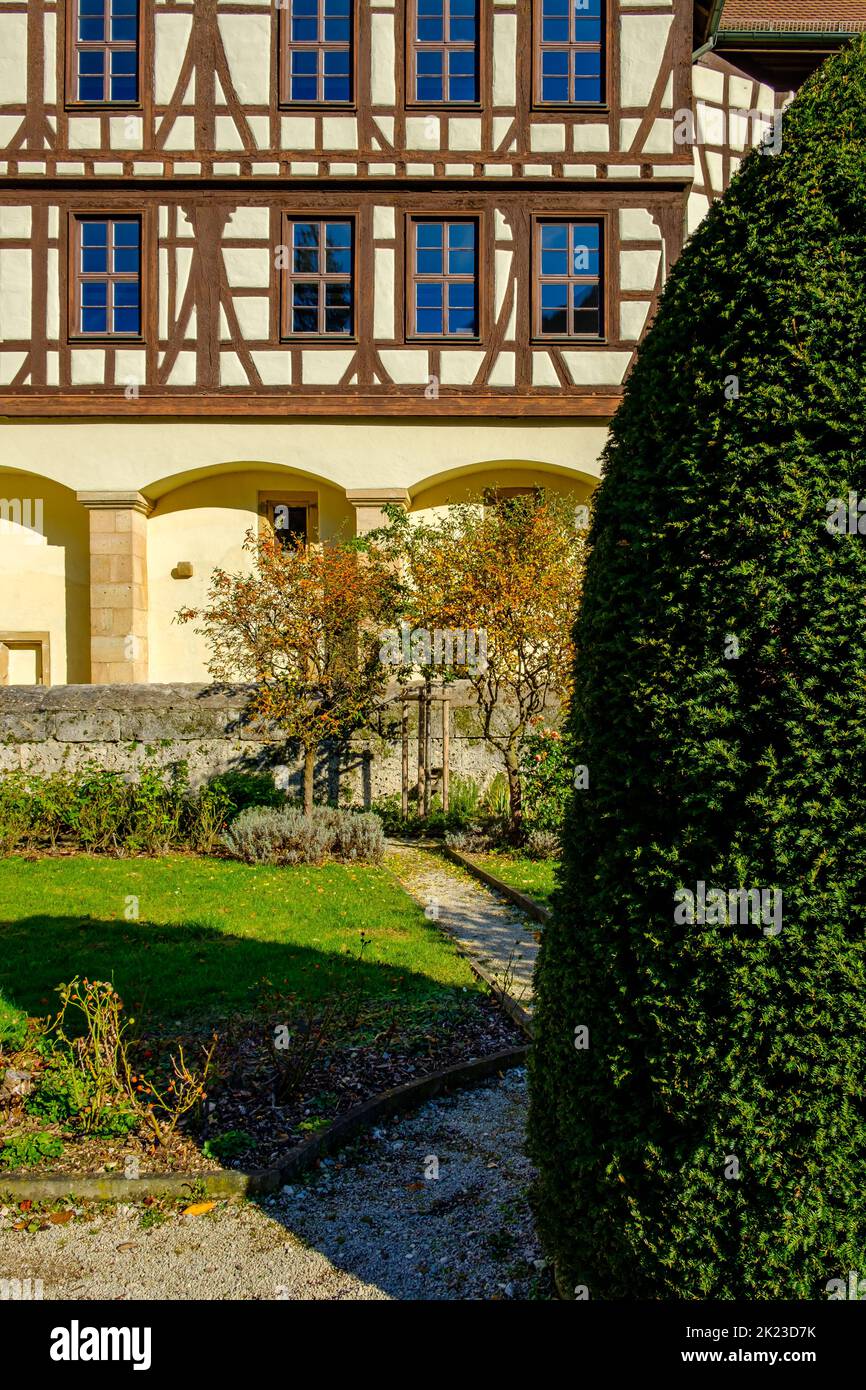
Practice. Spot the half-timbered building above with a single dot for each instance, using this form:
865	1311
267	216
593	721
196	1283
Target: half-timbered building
290	261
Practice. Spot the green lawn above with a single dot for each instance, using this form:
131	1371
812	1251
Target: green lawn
533	876
209	931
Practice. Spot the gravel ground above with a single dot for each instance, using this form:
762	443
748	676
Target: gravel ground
498	934
373	1223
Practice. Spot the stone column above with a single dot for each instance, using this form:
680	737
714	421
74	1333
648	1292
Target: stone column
368	503
118	586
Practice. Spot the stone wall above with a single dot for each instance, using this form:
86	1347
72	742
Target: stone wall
126	727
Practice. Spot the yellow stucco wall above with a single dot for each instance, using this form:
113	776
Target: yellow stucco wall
204	478
44	579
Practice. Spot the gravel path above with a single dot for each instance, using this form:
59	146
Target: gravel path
498	934
373	1223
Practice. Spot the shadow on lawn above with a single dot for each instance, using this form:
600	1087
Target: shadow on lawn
190	978
187	975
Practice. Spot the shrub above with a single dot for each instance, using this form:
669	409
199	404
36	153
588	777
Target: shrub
710	1142
262	836
547	773
543	844
243	789
26	1150
359	835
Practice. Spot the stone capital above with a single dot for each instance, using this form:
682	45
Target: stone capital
115	501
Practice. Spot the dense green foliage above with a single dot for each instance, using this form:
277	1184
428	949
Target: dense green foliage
720	1041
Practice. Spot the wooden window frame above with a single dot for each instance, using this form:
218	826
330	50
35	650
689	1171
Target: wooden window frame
72	101
446	216
287	277
537	338
412	47
268	501
74	333
27	641
608	39
284	46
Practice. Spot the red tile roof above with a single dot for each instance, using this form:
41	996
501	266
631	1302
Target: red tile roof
794	16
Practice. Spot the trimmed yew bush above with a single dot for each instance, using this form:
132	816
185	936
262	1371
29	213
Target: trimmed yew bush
709	1141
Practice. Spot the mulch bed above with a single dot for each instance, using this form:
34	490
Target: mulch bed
277	1106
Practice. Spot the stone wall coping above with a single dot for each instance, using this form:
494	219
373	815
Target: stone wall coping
18	699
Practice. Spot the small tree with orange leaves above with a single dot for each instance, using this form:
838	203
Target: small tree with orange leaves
508	577
304	628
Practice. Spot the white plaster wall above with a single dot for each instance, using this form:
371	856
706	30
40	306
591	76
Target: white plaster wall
15	293
642	45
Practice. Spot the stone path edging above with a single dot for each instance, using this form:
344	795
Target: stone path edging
520	899
231	1183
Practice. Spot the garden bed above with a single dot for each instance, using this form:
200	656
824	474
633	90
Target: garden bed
336	962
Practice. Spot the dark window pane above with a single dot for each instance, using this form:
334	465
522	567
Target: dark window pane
429	321
338	321
124	88
461	262
304	62
305	321
124	30
587	64
554	30
554	89
338	262
429	262
462	63
337	62
125	294
304	89
124	7
91	30
126	260
587	89
554	64
430	29
461	321
91	7
94	260
94	294
429	233
554	236
94	320
430	64
462	89
91	63
337	31
306	294
337	89
94	233
338	234
305	30
587	321
554	262
338	296
306	261
584	296
461	234
127	321
587	30
428	296
126	233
